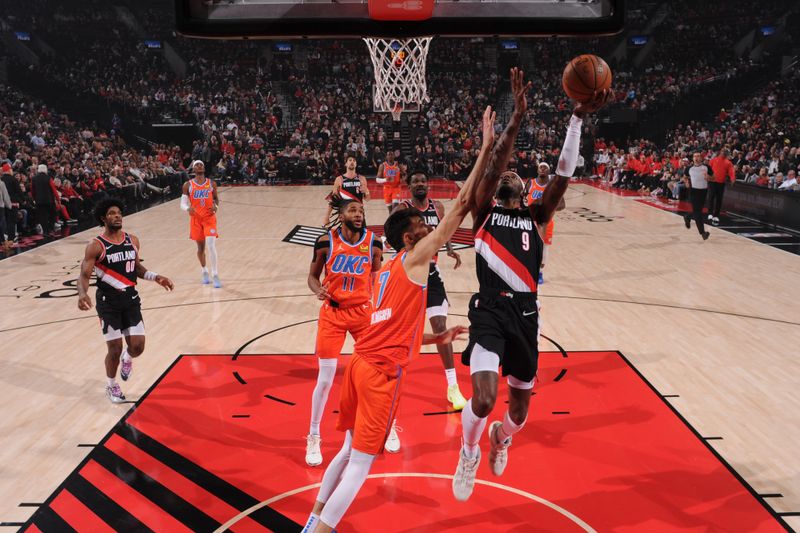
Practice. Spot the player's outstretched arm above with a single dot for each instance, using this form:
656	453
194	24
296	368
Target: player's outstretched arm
447	336
417	260
478	174
504	147
364	188
186	205
215	197
90	256
553	193
317	264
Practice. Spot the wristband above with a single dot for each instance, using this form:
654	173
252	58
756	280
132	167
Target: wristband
150	275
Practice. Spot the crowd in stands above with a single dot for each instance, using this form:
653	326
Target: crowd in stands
245	133
53	169
761	136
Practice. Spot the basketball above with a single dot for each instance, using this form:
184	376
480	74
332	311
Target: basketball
584	75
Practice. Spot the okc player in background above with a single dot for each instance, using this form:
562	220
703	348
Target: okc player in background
374	377
536	188
389	176
113	257
349	254
200	199
503	315
437	305
350	185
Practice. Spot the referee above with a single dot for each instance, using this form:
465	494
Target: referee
698	176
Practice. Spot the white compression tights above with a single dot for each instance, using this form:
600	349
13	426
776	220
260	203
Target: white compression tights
327	369
211	254
351	478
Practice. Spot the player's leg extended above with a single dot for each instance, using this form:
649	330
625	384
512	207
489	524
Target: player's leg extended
134	338
368	405
500	433
330	339
211	249
113	353
201	257
330	480
483	367
454	396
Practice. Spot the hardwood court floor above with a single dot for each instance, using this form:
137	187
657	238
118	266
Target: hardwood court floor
713	322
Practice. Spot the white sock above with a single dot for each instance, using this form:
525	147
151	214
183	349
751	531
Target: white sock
311	524
450	374
353	478
211	254
111	382
204	270
333	474
472	426
125	355
327	370
508	428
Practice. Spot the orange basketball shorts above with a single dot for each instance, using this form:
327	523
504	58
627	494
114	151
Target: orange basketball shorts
368	404
202	227
334	323
391	194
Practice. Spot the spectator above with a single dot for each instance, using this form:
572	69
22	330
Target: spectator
45	197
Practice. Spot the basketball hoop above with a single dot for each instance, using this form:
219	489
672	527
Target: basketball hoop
399	66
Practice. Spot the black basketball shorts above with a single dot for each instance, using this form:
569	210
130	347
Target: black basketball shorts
437	303
508	325
120	315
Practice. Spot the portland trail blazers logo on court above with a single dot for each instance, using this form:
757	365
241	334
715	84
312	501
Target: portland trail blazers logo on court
307	236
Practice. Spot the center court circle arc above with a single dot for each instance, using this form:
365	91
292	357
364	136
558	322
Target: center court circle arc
560	510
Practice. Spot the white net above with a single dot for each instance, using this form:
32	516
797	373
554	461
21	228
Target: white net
399	72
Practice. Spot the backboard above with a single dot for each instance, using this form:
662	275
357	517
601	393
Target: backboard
396	18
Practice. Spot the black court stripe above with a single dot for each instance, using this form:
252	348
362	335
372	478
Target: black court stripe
275	398
230	494
104	507
47	520
161	496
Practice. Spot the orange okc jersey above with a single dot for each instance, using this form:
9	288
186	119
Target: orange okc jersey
201	198
535	192
535	196
395	333
348	269
392	174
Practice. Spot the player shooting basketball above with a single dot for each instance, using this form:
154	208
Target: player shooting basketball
503	314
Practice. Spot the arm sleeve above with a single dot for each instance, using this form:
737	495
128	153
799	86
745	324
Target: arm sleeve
568	159
184	202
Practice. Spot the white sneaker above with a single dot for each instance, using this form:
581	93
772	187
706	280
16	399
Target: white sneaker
498	455
715	221
710	217
393	442
313	453
464	478
115	394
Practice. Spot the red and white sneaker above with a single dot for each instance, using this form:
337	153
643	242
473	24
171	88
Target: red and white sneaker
115	394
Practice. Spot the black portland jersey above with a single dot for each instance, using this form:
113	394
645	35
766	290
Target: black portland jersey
352	186
429	215
508	250
116	267
431	218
